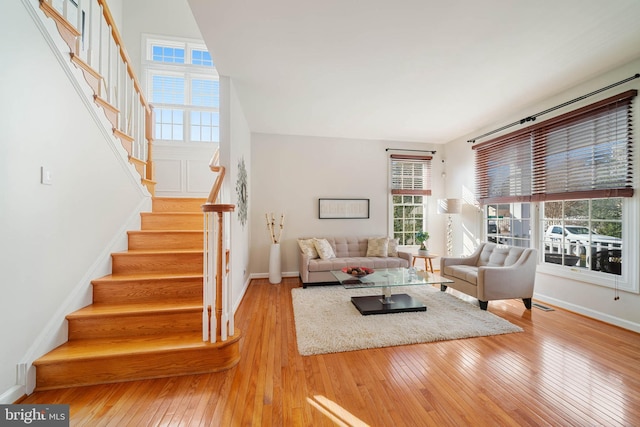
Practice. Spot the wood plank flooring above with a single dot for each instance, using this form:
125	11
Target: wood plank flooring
563	370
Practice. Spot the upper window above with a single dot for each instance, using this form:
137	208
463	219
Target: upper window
183	87
410	186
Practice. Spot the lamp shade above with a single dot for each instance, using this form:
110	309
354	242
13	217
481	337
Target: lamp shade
449	206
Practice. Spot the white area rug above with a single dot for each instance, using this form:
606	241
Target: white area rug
327	322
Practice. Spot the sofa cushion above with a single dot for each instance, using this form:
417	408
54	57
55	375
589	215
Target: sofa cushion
468	273
378	246
308	248
316	265
325	251
493	255
349	246
393	247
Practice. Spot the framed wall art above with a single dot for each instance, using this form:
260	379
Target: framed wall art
343	208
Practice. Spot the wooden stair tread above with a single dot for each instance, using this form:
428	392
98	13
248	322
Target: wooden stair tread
180	231
146	276
109	347
158	251
133	308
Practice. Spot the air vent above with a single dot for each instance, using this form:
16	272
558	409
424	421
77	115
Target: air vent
542	307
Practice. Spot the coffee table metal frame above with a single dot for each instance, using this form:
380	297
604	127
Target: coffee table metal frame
387	279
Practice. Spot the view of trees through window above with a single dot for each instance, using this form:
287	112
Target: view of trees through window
408	218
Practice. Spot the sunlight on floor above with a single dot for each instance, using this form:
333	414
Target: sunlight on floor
335	412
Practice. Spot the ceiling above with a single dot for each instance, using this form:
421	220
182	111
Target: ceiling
408	70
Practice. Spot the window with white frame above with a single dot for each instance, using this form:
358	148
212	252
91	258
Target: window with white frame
410	187
577	171
508	223
183	87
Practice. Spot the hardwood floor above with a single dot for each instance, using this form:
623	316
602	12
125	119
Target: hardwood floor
563	370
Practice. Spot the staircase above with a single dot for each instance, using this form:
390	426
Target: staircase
146	317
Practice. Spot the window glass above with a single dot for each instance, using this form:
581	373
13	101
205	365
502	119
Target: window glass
185	95
410	186
169	124
205	126
408	218
584	234
201	57
509	224
167	54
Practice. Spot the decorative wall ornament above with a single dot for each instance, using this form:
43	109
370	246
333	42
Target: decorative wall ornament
241	191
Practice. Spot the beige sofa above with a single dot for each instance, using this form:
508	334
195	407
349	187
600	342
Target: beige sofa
493	272
349	252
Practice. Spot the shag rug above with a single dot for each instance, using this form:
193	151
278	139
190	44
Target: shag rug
327	322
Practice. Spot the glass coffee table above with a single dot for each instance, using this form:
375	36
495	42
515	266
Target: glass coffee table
387	279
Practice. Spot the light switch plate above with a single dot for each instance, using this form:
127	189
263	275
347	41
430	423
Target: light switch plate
45	176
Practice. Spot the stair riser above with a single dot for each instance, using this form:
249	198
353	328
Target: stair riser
167	240
161	204
131	367
148	291
171	263
172	221
134	325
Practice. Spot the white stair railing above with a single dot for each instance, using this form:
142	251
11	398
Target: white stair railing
217	313
96	47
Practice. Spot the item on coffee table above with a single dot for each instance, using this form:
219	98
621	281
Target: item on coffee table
357	271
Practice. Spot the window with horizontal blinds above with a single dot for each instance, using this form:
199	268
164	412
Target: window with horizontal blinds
410	175
505	170
582	154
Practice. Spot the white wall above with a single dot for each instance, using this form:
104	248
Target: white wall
55	238
591	300
290	173
235	145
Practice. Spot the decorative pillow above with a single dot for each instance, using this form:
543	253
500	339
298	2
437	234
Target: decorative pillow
378	246
324	248
307	248
393	247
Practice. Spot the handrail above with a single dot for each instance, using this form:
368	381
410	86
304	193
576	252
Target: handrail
123	53
95	44
214	165
217	314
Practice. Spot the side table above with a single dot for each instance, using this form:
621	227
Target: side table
427	260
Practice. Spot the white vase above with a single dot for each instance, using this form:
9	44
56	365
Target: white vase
275	270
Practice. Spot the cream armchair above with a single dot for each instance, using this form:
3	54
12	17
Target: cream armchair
493	272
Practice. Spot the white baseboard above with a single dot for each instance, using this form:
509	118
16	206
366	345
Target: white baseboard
607	318
266	275
12	395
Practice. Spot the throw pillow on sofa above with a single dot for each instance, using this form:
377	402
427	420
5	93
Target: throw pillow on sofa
324	248
378	246
393	247
307	247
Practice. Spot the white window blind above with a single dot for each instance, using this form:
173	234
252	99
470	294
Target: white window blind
410	175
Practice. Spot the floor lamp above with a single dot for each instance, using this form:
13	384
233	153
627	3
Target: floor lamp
449	207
